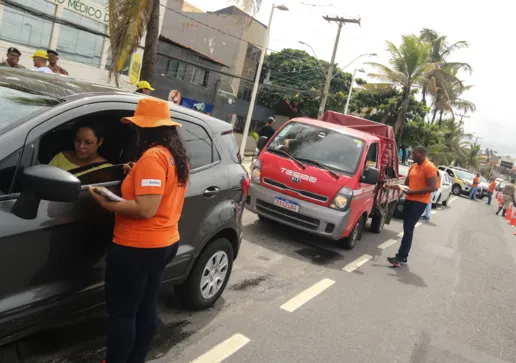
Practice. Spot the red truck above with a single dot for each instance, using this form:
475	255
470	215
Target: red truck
325	176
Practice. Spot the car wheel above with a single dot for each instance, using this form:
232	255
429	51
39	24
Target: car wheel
445	203
434	205
377	222
351	240
209	276
456	189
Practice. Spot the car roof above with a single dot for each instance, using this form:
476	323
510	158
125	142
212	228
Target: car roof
345	130
68	88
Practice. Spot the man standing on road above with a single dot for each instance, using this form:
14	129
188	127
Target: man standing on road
490	190
507	197
474	188
13	57
422	182
267	130
53	57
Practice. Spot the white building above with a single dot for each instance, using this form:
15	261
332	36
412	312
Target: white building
83	54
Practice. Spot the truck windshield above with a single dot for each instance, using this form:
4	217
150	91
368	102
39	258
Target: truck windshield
17	105
341	153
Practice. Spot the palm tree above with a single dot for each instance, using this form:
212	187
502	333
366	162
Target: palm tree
452	144
410	66
128	21
250	6
472	156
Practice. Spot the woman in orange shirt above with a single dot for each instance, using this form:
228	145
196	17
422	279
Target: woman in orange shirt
146	231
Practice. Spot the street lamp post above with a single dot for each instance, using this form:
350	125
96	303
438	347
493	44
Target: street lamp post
257	78
351	88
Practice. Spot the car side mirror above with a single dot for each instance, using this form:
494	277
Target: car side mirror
44	182
371	176
262	141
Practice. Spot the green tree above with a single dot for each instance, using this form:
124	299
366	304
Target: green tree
409	67
472	156
128	21
452	144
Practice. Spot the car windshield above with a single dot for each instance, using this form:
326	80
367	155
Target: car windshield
463	175
341	153
17	105
403	170
483	180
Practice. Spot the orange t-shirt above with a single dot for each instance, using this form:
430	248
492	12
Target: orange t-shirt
418	174
492	187
154	173
476	181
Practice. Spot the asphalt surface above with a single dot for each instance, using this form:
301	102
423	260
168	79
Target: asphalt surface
454	303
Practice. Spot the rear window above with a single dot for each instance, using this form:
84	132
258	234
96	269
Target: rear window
337	151
229	141
18	105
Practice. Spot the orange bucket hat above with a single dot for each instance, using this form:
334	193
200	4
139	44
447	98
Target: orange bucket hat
151	112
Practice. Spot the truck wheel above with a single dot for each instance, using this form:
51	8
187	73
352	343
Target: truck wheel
351	240
377	222
456	189
208	277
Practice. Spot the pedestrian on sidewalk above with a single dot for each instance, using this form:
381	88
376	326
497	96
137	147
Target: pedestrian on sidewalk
40	58
146	231
422	181
507	197
490	190
13	57
268	131
474	187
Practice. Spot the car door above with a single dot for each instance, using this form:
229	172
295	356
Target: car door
447	184
60	253
207	191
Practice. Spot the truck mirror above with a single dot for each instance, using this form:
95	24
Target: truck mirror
262	141
371	176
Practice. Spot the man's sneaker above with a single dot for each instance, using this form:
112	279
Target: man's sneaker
424	218
396	261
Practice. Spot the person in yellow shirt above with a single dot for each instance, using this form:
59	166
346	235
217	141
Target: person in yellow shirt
84	158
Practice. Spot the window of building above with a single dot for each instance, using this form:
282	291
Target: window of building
200	77
78	45
23	28
176	69
198	144
245	91
253	54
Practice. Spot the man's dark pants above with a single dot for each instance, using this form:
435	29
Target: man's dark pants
412	211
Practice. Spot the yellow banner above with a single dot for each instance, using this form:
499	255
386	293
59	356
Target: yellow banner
135	68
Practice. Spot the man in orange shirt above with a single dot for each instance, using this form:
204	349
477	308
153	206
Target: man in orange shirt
474	187
490	190
422	181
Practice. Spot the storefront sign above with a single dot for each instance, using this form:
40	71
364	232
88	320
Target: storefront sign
196	105
135	68
91	10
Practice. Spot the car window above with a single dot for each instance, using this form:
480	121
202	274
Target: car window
229	141
7	172
372	155
199	146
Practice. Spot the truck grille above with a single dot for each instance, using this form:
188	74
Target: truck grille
287	215
304	193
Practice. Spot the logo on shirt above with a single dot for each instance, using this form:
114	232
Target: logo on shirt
151	183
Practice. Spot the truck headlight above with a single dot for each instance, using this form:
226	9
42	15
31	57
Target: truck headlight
256	174
342	200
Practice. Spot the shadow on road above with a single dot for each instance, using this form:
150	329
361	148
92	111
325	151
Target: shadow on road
403	274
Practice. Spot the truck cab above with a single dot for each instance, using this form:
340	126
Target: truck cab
325	177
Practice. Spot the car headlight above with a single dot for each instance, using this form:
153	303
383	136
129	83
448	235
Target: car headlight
256	174
342	200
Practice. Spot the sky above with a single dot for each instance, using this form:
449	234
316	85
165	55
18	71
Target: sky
489	27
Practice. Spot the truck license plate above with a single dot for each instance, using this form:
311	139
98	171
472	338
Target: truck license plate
287	204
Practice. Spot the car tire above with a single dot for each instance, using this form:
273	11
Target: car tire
445	203
350	241
456	190
377	223
434	205
190	293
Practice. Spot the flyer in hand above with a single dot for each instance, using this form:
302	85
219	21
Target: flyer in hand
108	194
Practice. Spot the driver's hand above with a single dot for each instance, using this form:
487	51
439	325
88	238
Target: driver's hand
128	167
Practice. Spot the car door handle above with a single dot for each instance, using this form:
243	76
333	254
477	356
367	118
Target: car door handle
211	192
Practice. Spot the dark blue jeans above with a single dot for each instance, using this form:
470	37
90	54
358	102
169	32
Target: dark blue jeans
133	278
489	197
412	211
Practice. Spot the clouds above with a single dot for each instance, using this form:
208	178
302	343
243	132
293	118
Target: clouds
488	28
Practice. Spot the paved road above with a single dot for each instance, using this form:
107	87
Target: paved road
295	298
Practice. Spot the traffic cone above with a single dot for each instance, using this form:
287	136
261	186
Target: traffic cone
508	213
512	221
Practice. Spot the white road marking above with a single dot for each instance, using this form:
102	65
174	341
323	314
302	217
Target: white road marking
433	212
223	350
387	243
400	234
452	200
418	224
305	296
350	267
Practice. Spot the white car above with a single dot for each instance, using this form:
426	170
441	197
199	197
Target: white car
444	191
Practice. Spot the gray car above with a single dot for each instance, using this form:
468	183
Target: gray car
54	239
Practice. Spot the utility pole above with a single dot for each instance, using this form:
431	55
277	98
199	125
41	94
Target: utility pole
329	75
462	116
